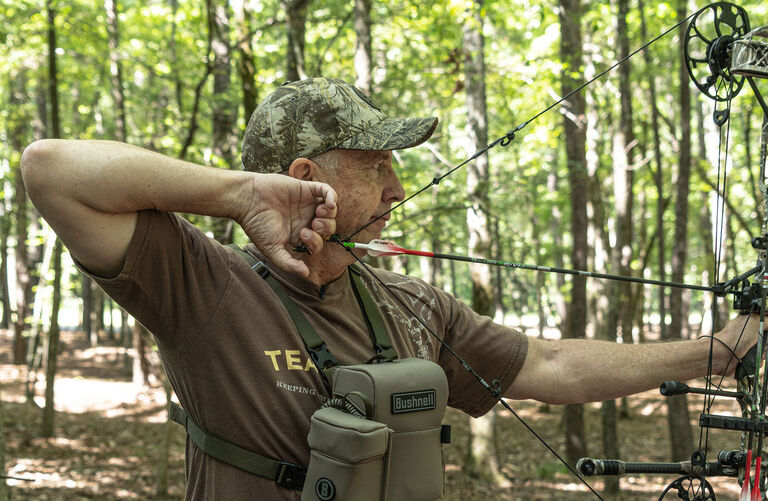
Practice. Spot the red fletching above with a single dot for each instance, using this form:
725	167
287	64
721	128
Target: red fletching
386	248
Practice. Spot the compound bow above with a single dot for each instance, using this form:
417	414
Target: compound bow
721	53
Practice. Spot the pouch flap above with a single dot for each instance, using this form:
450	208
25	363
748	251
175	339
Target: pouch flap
346	437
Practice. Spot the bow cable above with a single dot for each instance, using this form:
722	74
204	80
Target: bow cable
722	175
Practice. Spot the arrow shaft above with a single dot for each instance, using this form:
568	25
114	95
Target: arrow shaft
566	271
391	250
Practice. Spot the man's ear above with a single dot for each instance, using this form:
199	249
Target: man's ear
303	169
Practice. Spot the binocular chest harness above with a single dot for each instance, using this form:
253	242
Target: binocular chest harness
380	435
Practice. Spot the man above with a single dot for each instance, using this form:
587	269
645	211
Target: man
318	161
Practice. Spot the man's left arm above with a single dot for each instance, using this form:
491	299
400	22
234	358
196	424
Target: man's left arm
580	370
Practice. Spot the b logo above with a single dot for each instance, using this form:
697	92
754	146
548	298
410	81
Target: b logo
325	489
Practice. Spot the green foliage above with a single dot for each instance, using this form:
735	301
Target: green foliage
418	70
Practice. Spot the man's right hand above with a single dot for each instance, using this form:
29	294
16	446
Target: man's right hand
282	212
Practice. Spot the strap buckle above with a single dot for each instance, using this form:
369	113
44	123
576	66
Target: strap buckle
322	357
261	269
290	476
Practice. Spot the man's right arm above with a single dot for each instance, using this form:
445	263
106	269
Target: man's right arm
90	193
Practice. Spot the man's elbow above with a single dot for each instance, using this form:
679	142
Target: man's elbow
36	165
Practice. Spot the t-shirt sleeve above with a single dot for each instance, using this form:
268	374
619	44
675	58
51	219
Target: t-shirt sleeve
173	277
495	352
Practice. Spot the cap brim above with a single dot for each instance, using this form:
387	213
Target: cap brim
392	134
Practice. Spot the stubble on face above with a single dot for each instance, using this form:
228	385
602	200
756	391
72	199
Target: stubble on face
357	178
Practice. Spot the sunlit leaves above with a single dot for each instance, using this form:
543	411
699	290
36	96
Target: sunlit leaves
418	69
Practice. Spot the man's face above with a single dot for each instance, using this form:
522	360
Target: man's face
367	187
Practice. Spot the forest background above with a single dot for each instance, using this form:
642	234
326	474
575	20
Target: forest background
621	178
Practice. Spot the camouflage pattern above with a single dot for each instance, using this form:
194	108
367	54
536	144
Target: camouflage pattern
309	117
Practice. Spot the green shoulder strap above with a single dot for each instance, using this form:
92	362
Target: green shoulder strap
384	350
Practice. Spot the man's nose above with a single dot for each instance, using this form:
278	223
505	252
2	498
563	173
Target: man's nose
393	189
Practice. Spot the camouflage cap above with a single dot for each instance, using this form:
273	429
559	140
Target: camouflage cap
309	117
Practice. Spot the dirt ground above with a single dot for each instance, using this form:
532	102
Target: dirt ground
109	433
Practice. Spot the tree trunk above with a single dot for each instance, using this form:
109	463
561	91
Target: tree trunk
86	294
178	86
556	225
115	69
623	174
659	179
140	369
5	230
496	249
18	137
295	25
481	461
225	138
35	356
363	45
5	490
53	343
53	332
246	61
575	140
97	317
110	325
161	476
680	431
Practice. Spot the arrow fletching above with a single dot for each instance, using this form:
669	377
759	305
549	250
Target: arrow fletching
385	248
378	248
756	494
746	487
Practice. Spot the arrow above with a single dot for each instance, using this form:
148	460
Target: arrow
377	248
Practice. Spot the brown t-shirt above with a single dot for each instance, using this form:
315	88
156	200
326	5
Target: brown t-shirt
239	366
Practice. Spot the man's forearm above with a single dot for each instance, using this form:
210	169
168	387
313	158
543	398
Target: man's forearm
115	178
579	370
605	370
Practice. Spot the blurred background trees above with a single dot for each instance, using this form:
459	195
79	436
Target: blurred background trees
619	179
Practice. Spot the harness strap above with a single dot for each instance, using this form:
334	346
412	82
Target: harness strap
285	474
384	350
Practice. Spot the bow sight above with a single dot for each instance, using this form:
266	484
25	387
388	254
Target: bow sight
721	53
